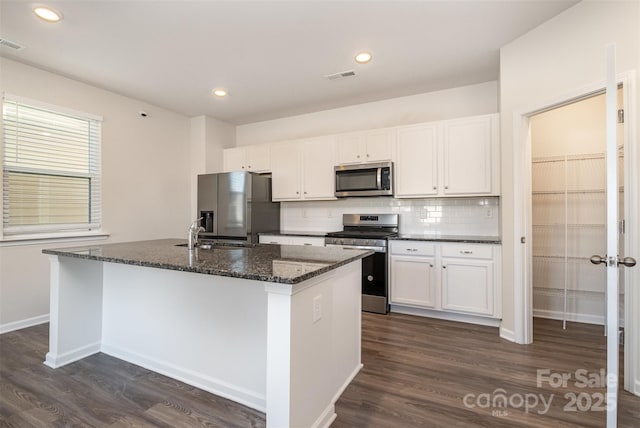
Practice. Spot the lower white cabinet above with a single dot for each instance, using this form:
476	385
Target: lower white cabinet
413	280
456	278
292	240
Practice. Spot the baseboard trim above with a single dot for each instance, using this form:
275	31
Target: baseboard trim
18	325
249	398
570	316
449	316
56	361
507	334
328	415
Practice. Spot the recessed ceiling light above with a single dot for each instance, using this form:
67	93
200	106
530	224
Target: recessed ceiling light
363	57
220	93
47	13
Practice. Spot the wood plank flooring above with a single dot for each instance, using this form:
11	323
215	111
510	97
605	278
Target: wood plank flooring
417	373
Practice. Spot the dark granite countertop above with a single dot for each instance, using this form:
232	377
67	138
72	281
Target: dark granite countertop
468	239
286	264
294	233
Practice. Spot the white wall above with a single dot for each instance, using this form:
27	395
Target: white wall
208	138
145	171
431	106
559	57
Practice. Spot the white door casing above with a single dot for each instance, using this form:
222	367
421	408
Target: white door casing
522	293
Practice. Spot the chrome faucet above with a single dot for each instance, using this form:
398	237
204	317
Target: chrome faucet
194	230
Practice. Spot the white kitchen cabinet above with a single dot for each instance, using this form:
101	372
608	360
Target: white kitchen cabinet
412	268
416	161
303	170
318	176
468	153
449	158
248	158
445	278
413	280
467	286
365	146
286	167
292	240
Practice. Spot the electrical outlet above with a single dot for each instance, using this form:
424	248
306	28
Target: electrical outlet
317	308
489	212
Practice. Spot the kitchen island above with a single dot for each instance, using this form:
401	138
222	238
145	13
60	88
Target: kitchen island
276	328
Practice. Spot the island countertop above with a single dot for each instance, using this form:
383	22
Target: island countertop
286	264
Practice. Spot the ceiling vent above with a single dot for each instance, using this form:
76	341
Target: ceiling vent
10	44
340	75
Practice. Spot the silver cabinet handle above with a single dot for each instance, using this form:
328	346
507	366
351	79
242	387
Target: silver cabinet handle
367	154
435	188
412	249
306	243
358	156
430	265
446	187
466	252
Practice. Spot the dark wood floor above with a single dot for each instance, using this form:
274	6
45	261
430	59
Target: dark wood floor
417	373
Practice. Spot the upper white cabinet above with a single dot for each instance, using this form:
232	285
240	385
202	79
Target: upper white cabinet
416	161
364	147
469	147
318	176
248	158
451	158
303	170
286	167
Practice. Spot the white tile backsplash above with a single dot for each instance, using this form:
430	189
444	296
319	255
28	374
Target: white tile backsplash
447	216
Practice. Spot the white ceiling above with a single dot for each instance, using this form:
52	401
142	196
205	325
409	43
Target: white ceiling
271	56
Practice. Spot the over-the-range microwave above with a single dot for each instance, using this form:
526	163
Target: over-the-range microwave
372	179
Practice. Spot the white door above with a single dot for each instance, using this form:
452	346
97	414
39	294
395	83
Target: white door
612	260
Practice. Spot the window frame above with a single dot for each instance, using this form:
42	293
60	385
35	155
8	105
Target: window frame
55	231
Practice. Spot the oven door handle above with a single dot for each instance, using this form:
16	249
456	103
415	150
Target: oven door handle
359	247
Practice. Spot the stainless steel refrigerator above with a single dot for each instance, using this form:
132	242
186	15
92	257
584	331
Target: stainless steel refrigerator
236	206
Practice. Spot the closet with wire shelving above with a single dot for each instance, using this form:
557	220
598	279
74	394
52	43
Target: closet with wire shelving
568	212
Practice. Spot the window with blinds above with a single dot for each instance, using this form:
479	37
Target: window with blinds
51	169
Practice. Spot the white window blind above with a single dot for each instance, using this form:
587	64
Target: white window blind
51	170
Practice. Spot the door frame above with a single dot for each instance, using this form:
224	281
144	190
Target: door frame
522	280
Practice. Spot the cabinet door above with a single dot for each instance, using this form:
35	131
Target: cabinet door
318	173
416	161
285	171
467	286
350	148
258	158
413	281
467	146
377	145
233	159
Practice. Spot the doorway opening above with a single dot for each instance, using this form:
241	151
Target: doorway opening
568	210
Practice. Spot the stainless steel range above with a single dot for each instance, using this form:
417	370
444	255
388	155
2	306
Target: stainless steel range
369	231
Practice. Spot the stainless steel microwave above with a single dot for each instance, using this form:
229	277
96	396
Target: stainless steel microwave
372	179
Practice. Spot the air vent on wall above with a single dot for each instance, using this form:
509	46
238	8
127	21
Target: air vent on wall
10	44
340	75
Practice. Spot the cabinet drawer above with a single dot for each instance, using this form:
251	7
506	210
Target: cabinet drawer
467	251
306	240
414	248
